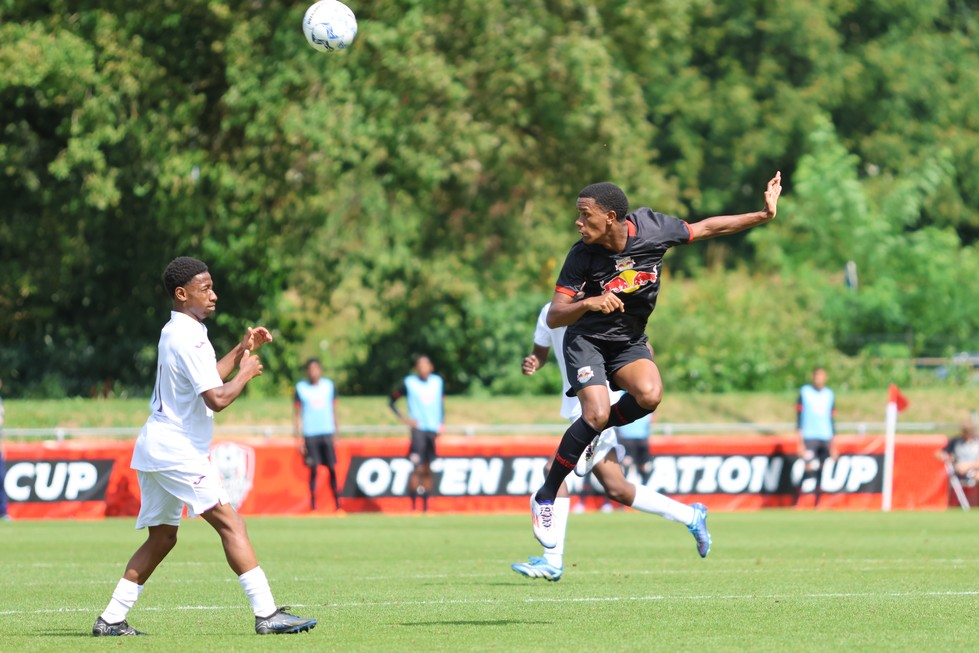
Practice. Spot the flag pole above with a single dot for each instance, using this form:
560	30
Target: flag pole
889	433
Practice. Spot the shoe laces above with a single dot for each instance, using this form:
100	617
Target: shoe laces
546	512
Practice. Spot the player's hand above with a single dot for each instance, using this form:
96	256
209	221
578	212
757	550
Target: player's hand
302	446
605	303
772	194
255	338
250	365
412	423
530	365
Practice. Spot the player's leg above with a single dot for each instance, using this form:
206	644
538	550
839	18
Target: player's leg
644	499
415	452
159	511
330	461
241	558
640	378
550	565
428	457
314	459
594	409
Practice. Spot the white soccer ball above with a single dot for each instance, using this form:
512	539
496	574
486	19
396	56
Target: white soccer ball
329	25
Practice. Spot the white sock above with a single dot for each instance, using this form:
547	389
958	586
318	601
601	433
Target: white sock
559	522
658	504
257	589
122	601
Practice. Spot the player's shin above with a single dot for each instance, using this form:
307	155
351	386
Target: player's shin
575	439
123	599
555	556
650	501
626	411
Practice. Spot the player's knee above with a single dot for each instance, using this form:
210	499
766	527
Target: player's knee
596	416
650	397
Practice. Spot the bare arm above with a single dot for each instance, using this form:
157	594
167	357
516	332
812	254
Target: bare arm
217	399
722	225
536	360
565	310
253	340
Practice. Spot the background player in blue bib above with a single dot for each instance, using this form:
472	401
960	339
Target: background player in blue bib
424	392
315	424
816	408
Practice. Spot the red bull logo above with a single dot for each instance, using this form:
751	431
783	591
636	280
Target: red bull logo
629	280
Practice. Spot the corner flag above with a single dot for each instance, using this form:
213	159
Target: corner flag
896	402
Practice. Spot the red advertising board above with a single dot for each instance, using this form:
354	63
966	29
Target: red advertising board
92	479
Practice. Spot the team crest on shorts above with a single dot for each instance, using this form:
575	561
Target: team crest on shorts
236	465
585	374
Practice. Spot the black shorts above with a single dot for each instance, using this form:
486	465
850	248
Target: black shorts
819	448
320	451
422	449
637	449
593	361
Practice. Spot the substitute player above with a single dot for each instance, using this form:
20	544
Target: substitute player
424	392
315	425
617	265
171	453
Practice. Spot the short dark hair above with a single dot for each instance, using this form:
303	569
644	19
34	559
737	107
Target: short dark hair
180	271
608	197
311	361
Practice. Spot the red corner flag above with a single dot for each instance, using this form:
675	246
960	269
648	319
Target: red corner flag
894	396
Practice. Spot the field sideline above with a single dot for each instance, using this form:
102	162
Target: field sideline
944	405
775	581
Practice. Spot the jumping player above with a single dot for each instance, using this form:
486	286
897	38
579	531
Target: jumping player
617	265
600	461
423	390
171	453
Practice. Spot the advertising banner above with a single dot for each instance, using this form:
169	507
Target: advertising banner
92	479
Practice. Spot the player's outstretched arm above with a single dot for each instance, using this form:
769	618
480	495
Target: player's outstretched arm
217	399
723	225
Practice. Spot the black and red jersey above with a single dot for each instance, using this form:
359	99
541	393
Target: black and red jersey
633	274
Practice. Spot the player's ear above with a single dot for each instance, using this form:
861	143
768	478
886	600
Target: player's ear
180	293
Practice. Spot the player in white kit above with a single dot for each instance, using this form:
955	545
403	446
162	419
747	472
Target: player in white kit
171	455
596	459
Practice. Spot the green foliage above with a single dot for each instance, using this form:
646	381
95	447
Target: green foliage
416	191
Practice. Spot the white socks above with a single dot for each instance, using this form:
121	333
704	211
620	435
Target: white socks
123	599
559	522
653	502
257	589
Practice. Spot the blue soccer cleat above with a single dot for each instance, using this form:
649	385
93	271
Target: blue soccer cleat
699	529
538	568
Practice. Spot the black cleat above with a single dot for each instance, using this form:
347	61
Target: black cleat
103	628
280	622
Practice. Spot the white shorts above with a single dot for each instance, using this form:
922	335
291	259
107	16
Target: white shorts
608	442
164	494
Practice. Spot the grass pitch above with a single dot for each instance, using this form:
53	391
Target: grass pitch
774	581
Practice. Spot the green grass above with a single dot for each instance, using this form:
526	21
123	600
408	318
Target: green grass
775	581
942	405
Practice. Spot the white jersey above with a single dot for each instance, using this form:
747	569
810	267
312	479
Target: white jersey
545	336
180	427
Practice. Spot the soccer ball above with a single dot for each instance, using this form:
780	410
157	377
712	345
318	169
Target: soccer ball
329	25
